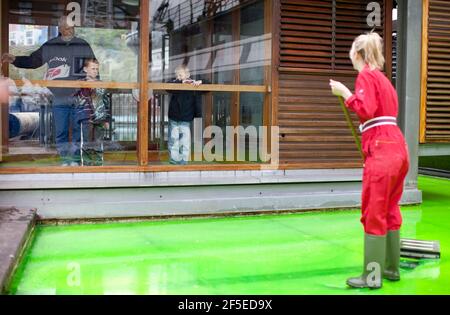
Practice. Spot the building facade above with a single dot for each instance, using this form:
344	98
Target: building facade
271	136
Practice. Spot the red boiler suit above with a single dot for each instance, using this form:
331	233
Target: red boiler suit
386	161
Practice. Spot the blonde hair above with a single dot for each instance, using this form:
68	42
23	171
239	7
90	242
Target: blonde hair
183	69
370	47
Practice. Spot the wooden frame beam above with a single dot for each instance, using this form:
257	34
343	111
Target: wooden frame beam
274	89
170	168
81	84
388	7
4	108
267	109
209	87
152	86
424	73
144	38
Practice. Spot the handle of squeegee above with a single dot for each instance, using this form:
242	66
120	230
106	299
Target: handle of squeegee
350	124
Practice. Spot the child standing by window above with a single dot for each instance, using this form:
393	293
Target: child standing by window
183	108
92	115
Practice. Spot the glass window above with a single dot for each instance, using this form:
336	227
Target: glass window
224	45
76	93
223	52
76	98
251	119
252	50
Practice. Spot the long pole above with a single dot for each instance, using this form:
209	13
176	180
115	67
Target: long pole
350	124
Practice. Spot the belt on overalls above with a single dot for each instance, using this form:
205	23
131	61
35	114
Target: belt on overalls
378	121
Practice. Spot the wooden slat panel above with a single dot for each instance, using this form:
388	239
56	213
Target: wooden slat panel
306	27
313	48
312	125
435	112
351	21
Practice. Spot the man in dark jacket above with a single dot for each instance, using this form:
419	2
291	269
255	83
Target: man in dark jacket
183	108
64	56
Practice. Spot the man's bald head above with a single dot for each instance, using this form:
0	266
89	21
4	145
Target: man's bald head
66	28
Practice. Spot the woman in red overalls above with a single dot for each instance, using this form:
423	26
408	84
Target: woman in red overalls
386	161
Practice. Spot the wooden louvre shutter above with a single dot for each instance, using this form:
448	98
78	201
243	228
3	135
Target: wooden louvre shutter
315	38
351	21
436	105
306	27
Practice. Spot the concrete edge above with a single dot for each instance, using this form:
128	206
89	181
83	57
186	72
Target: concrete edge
168	179
191	201
14	244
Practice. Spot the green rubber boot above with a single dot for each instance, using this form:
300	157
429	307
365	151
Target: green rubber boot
374	259
392	264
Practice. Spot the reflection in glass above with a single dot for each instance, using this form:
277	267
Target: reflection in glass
221	118
221	115
251	109
204	36
223	52
251	116
252	49
222	43
72	125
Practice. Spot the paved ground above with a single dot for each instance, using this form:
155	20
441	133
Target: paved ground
298	253
15	228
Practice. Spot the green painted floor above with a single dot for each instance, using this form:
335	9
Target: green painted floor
309	253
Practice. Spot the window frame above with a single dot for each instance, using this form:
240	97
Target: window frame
271	23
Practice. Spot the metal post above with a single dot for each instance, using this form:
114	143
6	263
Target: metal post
409	78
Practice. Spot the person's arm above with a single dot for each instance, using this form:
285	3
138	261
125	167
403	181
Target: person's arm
363	102
4	91
193	82
35	60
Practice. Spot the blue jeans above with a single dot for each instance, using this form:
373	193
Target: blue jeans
65	116
179	141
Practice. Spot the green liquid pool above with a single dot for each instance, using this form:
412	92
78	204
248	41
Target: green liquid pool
302	253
